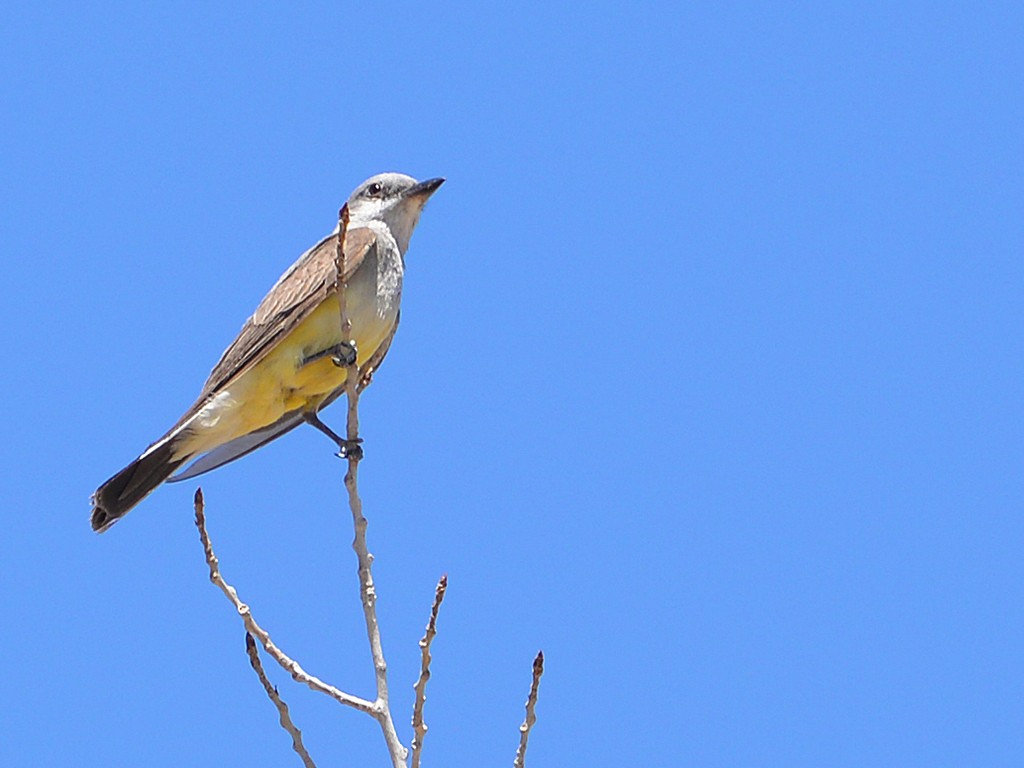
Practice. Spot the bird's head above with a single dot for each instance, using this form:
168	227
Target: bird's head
394	199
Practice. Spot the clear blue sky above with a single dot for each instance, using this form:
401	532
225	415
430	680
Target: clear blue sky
708	382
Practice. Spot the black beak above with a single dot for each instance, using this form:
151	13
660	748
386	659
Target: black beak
424	189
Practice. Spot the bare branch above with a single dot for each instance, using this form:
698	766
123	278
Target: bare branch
289	665
352	375
282	708
339	268
531	718
419	728
356	380
367	591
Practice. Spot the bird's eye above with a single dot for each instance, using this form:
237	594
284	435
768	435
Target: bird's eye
374	189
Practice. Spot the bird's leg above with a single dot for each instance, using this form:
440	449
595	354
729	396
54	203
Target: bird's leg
342	354
347	449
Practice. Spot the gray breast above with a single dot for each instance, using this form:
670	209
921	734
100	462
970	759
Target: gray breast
389	269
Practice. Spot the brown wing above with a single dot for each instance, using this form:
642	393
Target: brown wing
296	294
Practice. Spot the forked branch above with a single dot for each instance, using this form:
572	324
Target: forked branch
378	708
367	591
288	664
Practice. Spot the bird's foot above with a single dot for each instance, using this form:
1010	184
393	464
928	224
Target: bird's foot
350	449
347	449
344	354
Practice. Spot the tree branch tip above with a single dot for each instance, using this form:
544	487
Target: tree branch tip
531	717
198	504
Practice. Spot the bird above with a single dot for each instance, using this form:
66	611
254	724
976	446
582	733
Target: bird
289	360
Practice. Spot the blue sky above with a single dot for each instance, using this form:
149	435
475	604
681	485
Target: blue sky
708	381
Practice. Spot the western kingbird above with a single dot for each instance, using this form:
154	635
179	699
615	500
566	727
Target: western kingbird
283	366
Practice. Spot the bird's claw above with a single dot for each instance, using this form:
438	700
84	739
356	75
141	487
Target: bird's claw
350	449
345	354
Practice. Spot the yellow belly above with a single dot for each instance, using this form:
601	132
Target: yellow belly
280	383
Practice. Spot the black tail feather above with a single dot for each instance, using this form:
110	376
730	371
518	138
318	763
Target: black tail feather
132	484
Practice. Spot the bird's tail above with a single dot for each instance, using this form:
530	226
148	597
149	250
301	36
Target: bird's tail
132	484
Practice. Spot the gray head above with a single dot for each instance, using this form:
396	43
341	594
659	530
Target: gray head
392	198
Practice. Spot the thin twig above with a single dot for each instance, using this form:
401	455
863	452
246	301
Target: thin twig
367	591
531	718
289	665
282	708
341	284
352	373
419	728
